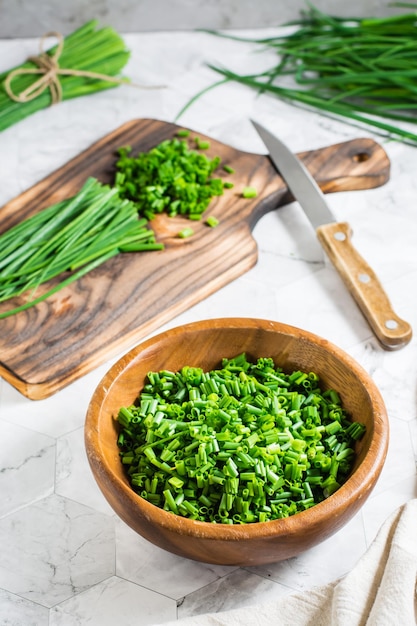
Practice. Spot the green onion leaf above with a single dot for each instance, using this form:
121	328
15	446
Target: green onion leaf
359	70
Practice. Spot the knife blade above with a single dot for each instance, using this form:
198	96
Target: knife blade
335	237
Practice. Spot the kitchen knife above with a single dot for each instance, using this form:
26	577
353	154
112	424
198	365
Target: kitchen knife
335	238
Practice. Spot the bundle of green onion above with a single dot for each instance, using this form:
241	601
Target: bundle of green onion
88	49
69	238
242	443
361	70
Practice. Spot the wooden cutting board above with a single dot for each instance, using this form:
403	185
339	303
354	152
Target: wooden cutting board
48	346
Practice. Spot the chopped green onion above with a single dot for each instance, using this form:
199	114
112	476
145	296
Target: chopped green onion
170	178
203	145
212	221
185	233
249	192
234	460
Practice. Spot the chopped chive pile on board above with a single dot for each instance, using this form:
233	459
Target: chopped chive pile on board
171	178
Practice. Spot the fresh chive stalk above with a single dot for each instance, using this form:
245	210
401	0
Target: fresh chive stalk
92	49
78	234
359	70
69	239
239	444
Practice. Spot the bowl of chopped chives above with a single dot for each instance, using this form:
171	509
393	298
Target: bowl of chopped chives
236	441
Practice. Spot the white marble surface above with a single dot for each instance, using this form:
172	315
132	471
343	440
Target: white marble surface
66	559
27	19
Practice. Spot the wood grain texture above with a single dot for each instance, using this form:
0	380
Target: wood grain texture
50	345
204	344
364	285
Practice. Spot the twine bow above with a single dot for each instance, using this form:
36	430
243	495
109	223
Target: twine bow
49	71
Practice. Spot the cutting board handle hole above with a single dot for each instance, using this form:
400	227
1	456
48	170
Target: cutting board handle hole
360	157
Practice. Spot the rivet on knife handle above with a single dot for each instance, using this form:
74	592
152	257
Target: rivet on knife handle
363	284
335	237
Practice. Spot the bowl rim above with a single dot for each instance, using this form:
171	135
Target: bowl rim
355	490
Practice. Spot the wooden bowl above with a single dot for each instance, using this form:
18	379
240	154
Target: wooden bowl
204	344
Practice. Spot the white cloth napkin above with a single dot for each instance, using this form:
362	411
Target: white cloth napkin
379	591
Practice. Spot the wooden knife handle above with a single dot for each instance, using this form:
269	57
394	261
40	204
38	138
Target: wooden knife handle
363	284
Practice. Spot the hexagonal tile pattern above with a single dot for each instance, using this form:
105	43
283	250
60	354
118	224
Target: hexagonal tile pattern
27	466
16	611
175	576
114	601
236	589
66	558
55	548
72	469
327	561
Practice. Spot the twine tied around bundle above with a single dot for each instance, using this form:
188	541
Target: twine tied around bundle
49	71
